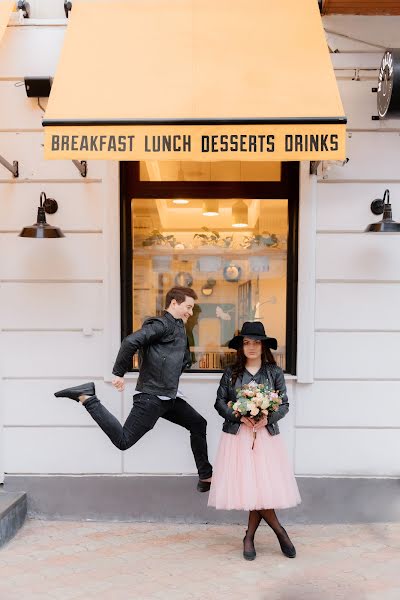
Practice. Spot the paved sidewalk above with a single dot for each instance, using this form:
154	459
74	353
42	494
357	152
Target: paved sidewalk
140	561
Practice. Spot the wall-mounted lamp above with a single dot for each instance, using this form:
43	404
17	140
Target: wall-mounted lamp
210	208
67	8
240	214
386	225
25	8
41	229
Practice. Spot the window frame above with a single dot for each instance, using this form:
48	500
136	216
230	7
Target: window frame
287	189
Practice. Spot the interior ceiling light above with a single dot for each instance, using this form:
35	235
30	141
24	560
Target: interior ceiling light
180	201
240	214
210	208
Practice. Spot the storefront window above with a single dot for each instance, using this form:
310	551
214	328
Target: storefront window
231	251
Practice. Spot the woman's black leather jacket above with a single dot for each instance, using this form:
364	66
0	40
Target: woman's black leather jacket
270	374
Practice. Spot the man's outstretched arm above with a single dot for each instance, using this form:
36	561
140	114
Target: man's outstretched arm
149	333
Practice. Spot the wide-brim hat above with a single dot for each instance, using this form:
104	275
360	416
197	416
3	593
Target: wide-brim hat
255	331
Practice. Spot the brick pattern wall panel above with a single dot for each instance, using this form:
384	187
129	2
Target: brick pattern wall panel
30	50
369	154
77	256
355	306
357	355
53	354
27	149
348	404
347	452
51	306
31	402
346	206
358	257
59	450
79	205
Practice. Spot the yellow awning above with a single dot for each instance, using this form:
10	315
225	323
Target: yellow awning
5	11
195	80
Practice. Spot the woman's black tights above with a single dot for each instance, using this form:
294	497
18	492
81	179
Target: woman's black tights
269	516
254	521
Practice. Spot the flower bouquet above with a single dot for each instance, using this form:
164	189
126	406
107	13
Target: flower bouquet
255	401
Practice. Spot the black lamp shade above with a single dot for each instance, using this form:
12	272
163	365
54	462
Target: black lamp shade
41	229
386	225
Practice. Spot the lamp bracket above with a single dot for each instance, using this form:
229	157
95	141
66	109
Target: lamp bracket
314	164
81	165
13	168
328	164
50	206
67	8
377	206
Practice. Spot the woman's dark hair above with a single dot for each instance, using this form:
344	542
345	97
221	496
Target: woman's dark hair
179	294
240	364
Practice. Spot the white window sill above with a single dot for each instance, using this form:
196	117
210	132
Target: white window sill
197	377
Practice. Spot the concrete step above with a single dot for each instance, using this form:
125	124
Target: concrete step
13	510
174	498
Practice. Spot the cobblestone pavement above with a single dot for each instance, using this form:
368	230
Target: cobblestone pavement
140	561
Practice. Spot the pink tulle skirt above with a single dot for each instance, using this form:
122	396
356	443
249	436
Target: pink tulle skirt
251	479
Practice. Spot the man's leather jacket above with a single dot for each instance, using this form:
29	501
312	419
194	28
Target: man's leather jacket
269	374
163	355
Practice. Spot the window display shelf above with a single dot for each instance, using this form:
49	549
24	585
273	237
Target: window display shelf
207	250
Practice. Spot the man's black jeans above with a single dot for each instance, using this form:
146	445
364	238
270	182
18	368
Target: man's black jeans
145	412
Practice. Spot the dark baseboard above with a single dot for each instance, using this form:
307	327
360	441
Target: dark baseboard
13	511
175	499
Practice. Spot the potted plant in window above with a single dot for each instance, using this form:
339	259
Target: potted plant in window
161	263
210	239
259	263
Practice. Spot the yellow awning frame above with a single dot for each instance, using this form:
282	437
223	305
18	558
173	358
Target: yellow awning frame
195	94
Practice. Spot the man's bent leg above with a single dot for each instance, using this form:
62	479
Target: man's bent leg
144	414
184	415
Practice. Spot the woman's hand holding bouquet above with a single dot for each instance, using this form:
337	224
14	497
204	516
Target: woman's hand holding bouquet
254	402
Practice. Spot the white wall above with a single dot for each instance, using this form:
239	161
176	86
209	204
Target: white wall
348	420
52	292
59	300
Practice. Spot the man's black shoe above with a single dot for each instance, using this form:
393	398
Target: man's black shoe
203	486
86	389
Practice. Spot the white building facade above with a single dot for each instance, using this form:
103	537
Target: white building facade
60	299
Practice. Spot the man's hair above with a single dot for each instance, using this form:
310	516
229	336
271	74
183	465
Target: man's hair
179	294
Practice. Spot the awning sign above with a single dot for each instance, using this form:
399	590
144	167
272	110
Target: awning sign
255	142
195	80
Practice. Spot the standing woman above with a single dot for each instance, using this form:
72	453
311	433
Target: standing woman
258	479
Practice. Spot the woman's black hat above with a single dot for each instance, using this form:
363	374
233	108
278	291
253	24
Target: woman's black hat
255	331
